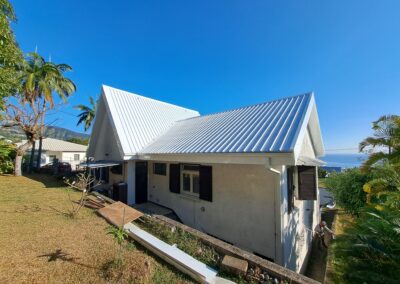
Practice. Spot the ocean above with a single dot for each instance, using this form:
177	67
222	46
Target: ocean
344	160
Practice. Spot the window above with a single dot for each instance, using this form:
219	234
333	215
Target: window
76	157
160	169
307	183
190	176
117	170
52	158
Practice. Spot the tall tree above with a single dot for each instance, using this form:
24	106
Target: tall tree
40	80
10	53
87	114
386	138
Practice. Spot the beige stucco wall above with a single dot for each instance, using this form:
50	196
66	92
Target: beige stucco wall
242	211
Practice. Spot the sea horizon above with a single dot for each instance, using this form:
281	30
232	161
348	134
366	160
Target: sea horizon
344	160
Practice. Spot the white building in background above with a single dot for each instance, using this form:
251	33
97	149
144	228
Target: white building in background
246	176
61	150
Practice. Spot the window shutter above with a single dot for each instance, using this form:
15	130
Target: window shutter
206	183
290	189
175	178
307	183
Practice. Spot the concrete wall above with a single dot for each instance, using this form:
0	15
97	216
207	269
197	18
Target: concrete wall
242	211
297	226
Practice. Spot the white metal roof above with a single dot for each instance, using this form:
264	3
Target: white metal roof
267	127
56	145
138	120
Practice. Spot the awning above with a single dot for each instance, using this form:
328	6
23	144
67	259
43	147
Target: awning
100	164
307	161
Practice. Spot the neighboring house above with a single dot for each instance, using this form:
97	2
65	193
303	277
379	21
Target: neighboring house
61	150
246	176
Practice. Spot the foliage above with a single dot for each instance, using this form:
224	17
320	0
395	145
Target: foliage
386	137
10	53
322	173
87	114
385	179
369	250
81	183
7	155
119	235
347	189
77	140
38	80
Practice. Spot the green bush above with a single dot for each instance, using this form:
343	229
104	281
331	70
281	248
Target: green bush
7	156
347	189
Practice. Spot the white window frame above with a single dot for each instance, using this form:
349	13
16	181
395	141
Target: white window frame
79	157
192	173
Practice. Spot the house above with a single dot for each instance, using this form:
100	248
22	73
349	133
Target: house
246	176
61	150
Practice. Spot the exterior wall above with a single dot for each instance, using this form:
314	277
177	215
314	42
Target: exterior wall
105	147
62	157
242	211
69	158
297	227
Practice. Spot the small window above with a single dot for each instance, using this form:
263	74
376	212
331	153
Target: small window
76	157
117	170
160	169
190	176
52	158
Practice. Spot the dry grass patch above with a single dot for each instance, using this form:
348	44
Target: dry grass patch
40	244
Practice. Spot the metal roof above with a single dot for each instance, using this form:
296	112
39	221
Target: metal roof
138	120
267	127
56	145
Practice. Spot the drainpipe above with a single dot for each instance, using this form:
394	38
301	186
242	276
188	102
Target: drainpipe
277	211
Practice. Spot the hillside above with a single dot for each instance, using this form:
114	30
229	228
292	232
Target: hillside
51	131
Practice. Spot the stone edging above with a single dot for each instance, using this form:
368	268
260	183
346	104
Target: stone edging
228	249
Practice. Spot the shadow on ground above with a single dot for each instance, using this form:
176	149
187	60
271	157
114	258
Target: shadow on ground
48	180
63	256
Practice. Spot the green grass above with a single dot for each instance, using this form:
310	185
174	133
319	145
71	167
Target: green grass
39	243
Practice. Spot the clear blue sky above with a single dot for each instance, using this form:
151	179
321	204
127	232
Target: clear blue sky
216	55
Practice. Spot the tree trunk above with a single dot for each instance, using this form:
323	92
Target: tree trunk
17	166
21	150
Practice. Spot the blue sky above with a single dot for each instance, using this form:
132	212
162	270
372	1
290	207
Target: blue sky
216	55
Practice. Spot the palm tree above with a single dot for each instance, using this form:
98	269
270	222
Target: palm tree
40	80
87	113
386	137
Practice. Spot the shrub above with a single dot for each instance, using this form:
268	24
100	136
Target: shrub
369	250
347	189
7	156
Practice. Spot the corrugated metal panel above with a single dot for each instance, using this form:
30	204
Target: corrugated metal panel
56	145
139	120
266	127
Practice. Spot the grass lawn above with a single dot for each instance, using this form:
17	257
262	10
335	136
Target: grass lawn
342	220
40	244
